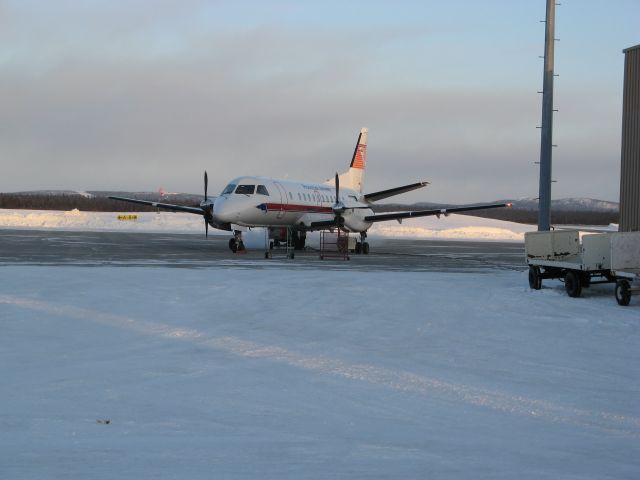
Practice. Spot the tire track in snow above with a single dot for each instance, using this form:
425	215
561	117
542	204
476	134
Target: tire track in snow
395	379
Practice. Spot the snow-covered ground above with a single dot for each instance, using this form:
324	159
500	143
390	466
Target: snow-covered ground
242	373
235	372
459	227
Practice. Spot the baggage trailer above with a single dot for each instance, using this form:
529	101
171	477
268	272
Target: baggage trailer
599	258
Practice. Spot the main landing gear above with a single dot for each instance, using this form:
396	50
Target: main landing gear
236	244
299	239
362	246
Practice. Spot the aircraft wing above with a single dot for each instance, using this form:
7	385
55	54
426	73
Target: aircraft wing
166	206
425	213
375	196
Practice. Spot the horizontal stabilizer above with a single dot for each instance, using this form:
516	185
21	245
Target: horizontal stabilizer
374	197
437	212
166	206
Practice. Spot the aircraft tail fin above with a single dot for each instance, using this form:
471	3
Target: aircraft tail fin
358	161
354	177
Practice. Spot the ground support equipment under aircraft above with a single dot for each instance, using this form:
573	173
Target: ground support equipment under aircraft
336	243
599	258
280	240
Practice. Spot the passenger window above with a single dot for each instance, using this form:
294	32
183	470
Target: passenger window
245	189
262	190
228	189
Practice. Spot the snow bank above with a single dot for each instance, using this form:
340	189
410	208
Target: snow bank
167	222
454	227
458	227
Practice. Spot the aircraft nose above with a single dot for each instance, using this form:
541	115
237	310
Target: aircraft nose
223	211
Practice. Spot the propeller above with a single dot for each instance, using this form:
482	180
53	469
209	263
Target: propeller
206	223
206	183
338	207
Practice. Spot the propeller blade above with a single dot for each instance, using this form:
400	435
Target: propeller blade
338	207
206	185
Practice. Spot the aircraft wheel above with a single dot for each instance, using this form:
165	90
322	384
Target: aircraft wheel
241	246
358	248
365	247
233	245
623	295
572	284
535	279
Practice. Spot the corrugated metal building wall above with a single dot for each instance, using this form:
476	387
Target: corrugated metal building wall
630	171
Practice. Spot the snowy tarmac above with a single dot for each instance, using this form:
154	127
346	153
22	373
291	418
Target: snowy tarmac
188	250
431	361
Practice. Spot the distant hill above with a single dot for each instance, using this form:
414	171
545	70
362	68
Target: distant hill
566	211
90	201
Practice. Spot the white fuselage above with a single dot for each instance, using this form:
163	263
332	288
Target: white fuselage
267	202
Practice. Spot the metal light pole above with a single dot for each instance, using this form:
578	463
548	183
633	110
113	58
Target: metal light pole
546	137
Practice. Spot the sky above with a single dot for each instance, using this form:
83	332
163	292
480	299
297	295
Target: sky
136	95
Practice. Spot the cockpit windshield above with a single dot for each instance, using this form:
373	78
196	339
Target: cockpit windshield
228	189
262	190
245	189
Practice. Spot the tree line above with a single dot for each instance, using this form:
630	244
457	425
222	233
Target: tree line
70	201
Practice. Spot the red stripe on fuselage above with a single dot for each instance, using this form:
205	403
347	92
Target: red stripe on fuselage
298	208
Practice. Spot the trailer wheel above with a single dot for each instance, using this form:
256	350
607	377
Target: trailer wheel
572	284
623	295
535	278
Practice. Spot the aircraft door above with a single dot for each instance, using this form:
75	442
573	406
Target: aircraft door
284	200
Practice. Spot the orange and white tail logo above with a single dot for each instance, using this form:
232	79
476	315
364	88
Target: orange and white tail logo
359	159
354	177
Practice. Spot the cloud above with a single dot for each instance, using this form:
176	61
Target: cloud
143	102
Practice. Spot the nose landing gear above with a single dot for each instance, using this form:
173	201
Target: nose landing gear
236	244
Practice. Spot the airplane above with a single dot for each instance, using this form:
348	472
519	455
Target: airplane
300	207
